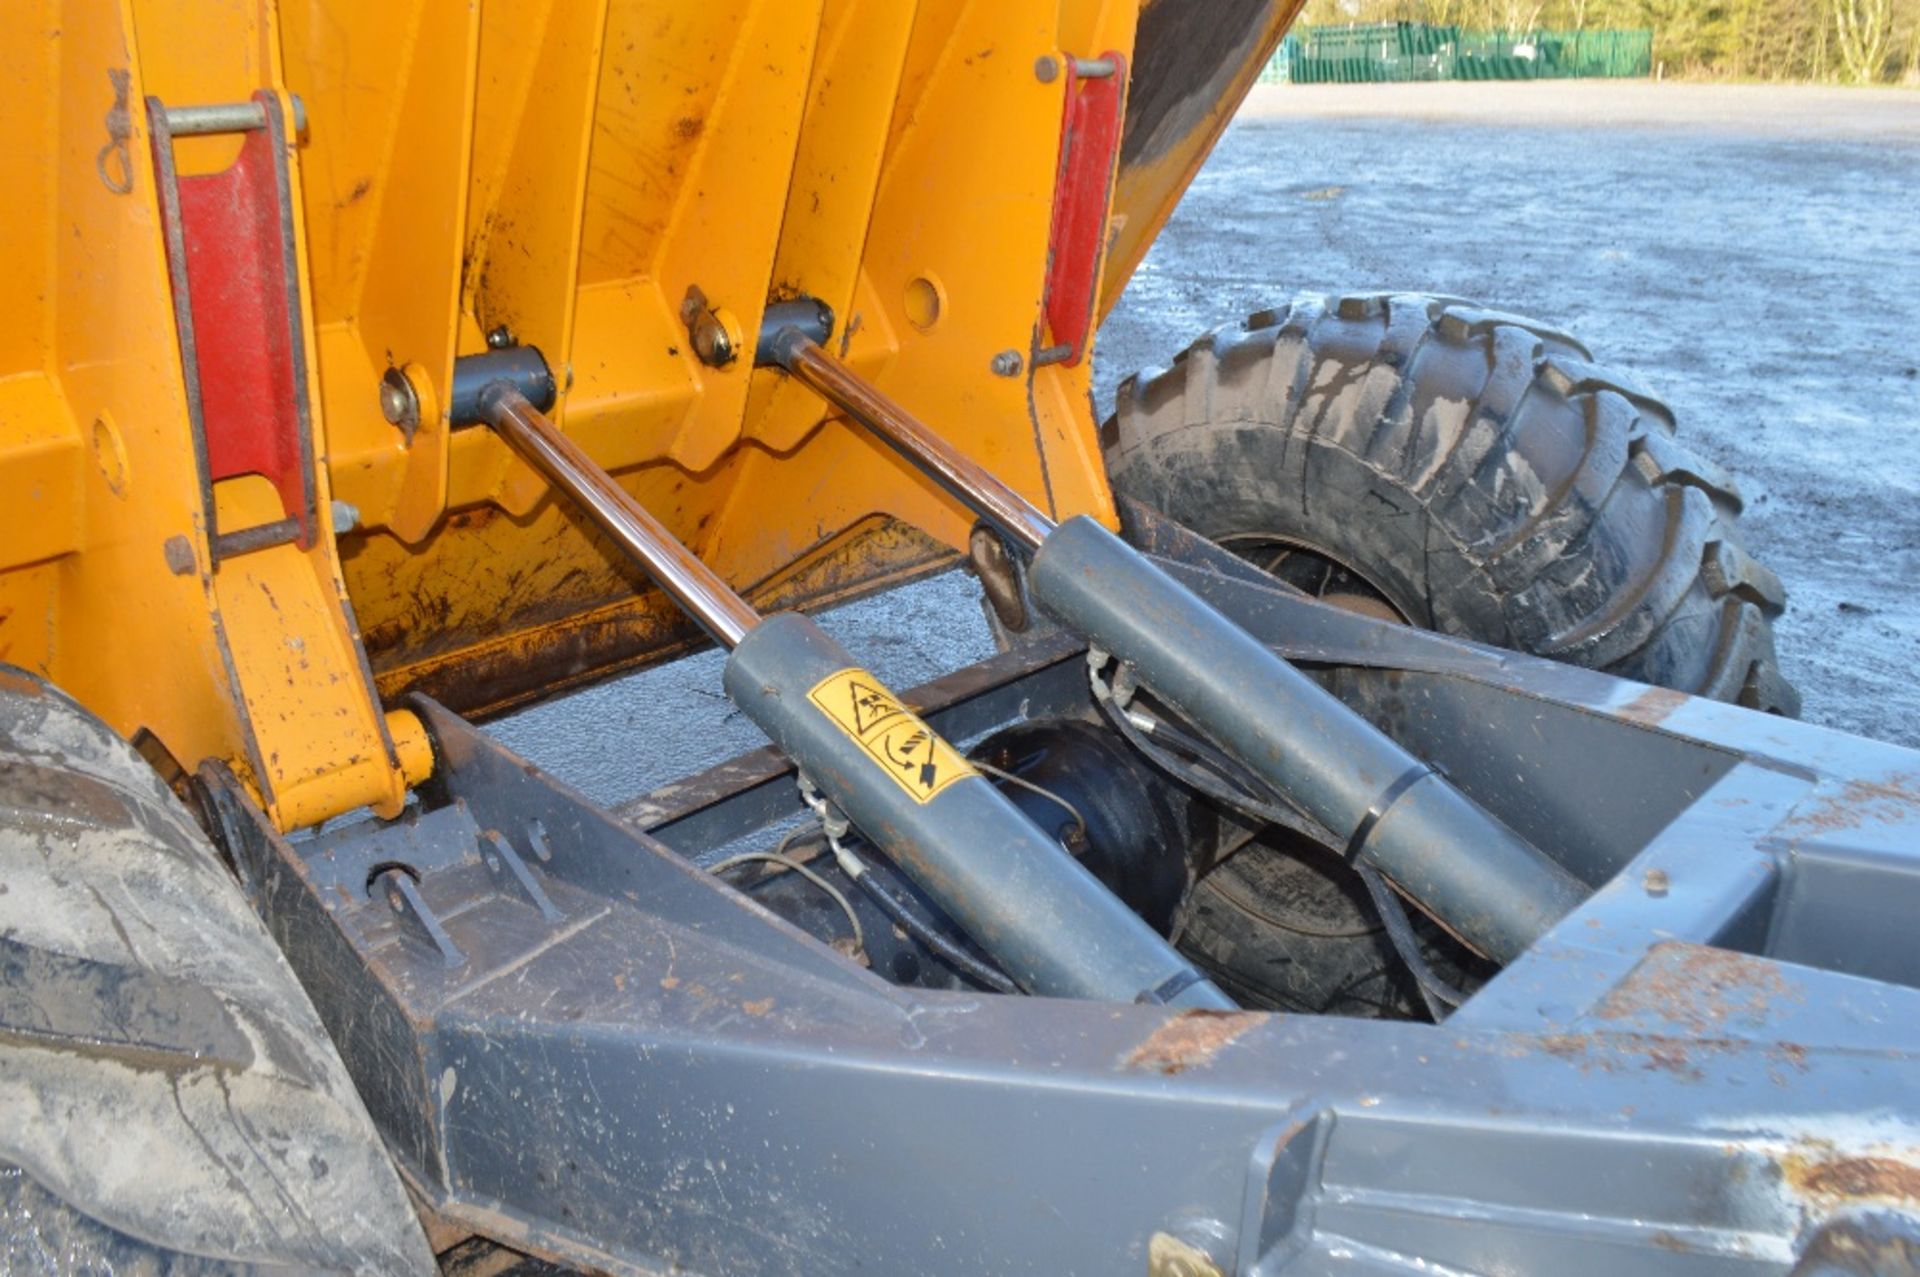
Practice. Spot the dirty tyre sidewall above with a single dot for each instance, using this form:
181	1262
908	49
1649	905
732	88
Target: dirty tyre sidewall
169	1100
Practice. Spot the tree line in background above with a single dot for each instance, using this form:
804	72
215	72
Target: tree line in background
1852	41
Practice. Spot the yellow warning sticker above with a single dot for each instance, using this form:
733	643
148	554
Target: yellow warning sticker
919	761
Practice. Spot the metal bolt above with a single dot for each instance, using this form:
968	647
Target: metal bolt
1007	364
1094	68
712	343
399	402
1656	883
500	337
999	579
346	517
1046	69
178	552
1052	355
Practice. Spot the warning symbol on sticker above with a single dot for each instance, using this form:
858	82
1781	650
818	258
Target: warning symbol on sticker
870	705
904	747
913	750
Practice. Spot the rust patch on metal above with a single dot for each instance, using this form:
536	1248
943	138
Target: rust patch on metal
1190	1040
1676	1056
1838	1178
1653	706
545	615
1858	802
1700	989
1609	1053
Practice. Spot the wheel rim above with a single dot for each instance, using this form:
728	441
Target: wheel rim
1316	571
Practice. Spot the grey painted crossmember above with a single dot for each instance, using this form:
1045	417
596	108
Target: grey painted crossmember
1698	1079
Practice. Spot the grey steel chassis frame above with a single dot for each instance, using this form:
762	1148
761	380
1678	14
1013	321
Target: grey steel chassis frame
576	1041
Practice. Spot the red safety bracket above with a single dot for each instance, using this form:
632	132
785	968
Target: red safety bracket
1089	149
236	297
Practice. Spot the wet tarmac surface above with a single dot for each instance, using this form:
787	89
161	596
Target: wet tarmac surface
1761	276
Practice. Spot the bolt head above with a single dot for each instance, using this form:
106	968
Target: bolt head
1007	364
692	304
711	343
399	403
1046	69
500	337
1657	883
178	552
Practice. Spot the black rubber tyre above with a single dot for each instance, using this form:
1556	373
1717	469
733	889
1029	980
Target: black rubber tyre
169	1101
1477	471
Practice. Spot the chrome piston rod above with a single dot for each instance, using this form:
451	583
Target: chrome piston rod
1490	886
724	615
963	478
1050	923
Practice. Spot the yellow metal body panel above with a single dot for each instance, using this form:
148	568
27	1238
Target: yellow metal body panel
560	172
255	662
395	83
896	147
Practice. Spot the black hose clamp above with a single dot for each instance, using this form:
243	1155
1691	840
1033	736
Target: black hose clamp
1357	844
1170	988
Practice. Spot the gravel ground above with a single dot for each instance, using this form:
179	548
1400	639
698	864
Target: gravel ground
1753	253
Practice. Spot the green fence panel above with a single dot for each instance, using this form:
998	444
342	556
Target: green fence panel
1398	52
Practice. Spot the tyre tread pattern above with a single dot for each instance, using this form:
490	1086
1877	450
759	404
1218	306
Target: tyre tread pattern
1558	511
